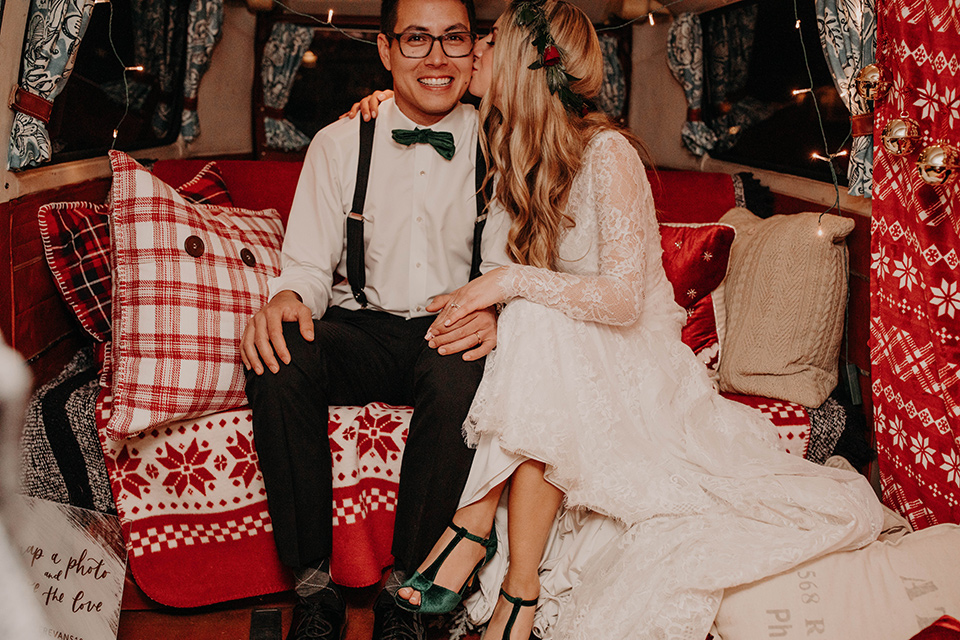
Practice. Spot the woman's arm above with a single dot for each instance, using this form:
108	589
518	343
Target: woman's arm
615	295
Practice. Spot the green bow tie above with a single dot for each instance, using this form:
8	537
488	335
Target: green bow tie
442	141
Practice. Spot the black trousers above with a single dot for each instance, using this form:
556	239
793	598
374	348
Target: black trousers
358	357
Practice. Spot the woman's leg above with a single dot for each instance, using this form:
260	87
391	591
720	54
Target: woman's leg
531	509
477	518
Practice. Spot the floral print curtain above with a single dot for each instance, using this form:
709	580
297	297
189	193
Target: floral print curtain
612	98
54	31
281	59
203	32
685	58
848	33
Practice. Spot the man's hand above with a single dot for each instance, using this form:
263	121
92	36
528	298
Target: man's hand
477	332
263	335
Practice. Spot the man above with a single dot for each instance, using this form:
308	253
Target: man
315	343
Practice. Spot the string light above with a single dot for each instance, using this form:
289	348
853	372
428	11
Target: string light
650	19
330	16
137	68
800	92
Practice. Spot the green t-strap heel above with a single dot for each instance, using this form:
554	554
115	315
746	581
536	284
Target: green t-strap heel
435	599
517	603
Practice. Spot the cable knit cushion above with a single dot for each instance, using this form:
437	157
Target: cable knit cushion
695	258
76	242
186	279
785	296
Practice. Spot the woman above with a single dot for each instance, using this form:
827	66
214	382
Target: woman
632	493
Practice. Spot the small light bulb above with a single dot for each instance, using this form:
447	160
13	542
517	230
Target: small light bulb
797	26
650	18
817	156
799	92
330	16
819	230
115	134
138	67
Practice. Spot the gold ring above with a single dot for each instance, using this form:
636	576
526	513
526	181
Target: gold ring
454	305
479	339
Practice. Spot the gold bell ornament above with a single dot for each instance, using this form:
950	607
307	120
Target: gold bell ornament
938	163
872	83
900	135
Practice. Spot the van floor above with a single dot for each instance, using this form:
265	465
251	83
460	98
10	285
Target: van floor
231	620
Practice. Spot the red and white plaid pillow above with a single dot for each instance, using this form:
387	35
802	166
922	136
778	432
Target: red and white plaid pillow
186	279
695	258
76	241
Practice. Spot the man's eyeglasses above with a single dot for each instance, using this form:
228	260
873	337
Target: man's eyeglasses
418	44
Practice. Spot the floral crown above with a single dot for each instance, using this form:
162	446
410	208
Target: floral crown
530	14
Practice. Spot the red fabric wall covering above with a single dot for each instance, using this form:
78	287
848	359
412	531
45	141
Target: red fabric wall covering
915	269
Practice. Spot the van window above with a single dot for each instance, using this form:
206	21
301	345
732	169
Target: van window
779	131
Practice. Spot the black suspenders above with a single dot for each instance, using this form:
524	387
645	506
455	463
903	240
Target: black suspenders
356	273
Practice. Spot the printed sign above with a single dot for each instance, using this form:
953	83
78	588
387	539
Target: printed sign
75	561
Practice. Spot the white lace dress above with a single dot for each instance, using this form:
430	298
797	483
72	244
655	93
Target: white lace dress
672	492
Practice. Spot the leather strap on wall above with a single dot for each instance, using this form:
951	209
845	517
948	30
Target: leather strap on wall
272	112
862	125
30	104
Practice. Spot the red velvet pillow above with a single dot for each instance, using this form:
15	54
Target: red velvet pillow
76	241
695	258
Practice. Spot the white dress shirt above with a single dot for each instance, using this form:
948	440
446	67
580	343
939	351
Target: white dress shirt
419	217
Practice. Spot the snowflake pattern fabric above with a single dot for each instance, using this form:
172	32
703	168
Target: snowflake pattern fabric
914	290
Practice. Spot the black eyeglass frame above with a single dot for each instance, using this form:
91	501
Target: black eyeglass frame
433	40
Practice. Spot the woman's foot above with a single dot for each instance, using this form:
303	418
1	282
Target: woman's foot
513	616
439	583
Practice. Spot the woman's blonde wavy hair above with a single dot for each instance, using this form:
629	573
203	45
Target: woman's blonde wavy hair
531	140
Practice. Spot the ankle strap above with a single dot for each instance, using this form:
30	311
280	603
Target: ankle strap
462	532
518	602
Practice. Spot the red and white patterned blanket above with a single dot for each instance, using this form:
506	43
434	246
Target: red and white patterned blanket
190	495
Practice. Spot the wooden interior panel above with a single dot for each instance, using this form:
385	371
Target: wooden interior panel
33	317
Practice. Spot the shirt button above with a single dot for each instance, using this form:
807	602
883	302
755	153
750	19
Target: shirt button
423	173
418	265
419	218
419	308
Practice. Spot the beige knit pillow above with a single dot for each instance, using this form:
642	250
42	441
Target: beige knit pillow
785	294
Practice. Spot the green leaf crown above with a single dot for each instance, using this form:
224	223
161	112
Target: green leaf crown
530	14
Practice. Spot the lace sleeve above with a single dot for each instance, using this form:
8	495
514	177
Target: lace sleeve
622	197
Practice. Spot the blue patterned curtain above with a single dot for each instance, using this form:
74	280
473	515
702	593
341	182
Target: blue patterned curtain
281	59
612	98
848	33
160	35
203	32
685	58
54	31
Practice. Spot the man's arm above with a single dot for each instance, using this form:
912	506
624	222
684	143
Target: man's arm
312	245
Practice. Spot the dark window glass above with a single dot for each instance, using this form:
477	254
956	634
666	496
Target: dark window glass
789	133
144	111
337	71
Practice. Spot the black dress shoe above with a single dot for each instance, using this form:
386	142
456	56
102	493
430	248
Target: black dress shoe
320	616
390	622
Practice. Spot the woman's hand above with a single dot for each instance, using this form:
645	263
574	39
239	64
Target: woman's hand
367	107
454	326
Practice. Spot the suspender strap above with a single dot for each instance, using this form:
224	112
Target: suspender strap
482	198
356	273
